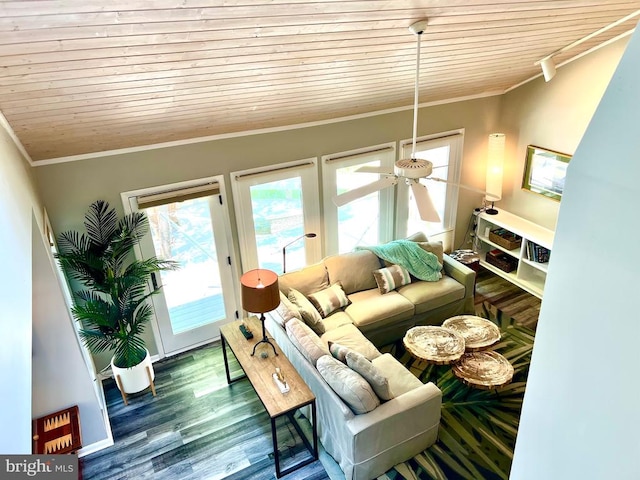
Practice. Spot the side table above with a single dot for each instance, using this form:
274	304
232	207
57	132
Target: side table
485	370
469	258
260	372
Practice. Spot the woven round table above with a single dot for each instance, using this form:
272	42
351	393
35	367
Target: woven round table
478	333
485	370
436	345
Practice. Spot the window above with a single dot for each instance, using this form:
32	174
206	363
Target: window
367	220
275	206
445	152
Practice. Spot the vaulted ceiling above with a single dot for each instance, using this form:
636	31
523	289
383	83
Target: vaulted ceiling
83	76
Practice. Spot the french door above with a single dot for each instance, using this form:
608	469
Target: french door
275	208
189	224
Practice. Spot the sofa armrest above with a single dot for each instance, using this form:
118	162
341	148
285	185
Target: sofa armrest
410	416
461	273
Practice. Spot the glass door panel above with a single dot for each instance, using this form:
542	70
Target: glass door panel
354	228
278	219
188	224
275	207
182	232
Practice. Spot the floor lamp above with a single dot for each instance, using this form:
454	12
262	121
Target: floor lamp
284	249
260	294
495	166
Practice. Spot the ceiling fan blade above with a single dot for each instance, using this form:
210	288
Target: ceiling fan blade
442	180
425	206
360	192
371	169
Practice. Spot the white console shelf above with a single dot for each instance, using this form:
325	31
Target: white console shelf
529	275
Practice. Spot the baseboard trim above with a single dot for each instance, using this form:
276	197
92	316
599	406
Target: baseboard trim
95	447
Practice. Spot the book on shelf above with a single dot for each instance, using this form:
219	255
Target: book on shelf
537	253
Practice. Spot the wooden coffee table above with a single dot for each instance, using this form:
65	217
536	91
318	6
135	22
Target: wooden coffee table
485	370
479	333
260	372
436	345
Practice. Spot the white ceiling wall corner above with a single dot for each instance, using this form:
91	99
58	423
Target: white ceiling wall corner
580	414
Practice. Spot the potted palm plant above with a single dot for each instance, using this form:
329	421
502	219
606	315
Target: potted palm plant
112	304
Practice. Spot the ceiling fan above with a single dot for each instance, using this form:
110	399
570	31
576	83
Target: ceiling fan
410	169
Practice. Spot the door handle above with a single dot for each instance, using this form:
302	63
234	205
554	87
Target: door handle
154	281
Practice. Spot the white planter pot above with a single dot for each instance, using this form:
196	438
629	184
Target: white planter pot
134	379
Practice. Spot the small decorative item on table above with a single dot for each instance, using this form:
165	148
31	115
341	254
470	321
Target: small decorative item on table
281	382
246	332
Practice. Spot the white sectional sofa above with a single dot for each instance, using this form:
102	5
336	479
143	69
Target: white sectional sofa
383	432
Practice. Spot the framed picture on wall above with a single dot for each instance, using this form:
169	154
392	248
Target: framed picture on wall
545	171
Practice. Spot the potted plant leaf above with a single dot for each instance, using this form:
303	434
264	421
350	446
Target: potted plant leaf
112	305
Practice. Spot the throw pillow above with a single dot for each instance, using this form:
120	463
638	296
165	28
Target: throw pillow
329	300
339	351
370	373
286	310
434	247
390	278
354	390
309	314
306	341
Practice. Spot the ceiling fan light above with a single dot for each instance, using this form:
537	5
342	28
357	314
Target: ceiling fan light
413	168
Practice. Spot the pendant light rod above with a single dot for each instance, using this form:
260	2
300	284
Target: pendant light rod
417	29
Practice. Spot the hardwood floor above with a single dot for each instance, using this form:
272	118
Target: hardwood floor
523	307
198	427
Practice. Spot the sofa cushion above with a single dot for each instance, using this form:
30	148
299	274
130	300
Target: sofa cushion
391	277
370	306
370	373
349	336
430	295
354	270
306	340
434	247
336	319
400	379
329	300
286	310
339	352
354	390
309	314
308	280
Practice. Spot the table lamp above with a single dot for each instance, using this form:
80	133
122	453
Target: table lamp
260	294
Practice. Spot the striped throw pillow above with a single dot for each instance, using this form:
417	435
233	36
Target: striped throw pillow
329	300
390	278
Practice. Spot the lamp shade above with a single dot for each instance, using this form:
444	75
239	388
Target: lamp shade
495	164
260	293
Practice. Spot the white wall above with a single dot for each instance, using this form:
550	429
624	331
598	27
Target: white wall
60	376
581	410
17	201
21	225
552	115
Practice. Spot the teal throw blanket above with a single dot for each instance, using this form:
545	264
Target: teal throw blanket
420	263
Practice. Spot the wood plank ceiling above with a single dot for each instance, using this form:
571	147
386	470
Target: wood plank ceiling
82	76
